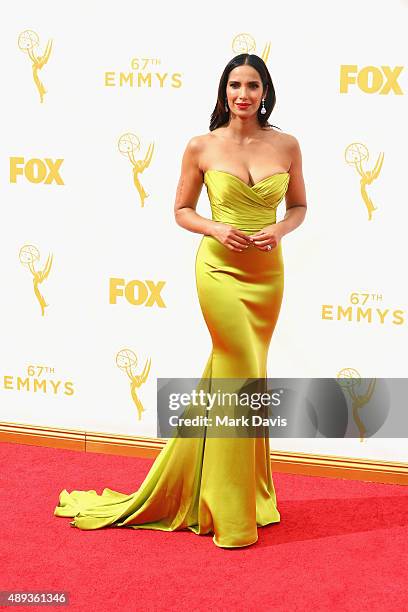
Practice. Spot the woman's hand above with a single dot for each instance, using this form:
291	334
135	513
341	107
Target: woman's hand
267	238
231	237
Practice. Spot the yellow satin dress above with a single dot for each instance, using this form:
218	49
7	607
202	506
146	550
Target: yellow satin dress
210	485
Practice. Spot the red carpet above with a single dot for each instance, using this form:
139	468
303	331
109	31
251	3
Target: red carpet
340	545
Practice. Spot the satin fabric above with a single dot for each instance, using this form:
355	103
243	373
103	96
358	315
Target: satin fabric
210	485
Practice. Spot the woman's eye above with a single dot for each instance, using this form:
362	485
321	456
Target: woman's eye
253	85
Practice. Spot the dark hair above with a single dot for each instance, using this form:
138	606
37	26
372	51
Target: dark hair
219	115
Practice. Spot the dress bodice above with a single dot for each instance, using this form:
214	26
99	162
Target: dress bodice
246	207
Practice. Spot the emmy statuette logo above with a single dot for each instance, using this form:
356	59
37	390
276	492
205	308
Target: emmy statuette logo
29	255
355	155
28	41
245	43
350	381
126	360
129	145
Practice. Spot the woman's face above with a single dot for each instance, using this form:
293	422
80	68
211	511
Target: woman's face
244	86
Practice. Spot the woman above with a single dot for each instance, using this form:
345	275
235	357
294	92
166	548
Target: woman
207	484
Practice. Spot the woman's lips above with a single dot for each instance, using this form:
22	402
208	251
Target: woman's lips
242	105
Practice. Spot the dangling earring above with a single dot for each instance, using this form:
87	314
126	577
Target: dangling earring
263	109
226	107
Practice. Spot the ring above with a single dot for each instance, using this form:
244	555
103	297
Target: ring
269	248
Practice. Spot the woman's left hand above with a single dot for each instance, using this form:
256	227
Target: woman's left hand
267	238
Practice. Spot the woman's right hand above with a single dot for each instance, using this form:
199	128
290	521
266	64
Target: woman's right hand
231	237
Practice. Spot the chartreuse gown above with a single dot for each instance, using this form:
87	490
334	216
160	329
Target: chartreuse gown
210	485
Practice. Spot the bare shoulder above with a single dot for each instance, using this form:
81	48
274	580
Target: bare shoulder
197	143
192	155
293	142
288	140
296	192
291	146
197	149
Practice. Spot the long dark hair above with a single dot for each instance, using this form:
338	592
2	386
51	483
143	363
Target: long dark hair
219	115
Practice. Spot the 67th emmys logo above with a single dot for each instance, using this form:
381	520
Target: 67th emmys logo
144	72
27	42
245	43
29	255
355	154
129	145
38	378
364	307
126	360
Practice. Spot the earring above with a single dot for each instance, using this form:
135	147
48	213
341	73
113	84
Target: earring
263	109
226	107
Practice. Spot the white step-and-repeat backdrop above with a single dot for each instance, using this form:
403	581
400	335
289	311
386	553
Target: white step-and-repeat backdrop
98	289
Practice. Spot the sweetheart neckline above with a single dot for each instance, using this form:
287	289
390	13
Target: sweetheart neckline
243	182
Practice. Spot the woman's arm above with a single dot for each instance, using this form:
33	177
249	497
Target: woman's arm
188	191
296	205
